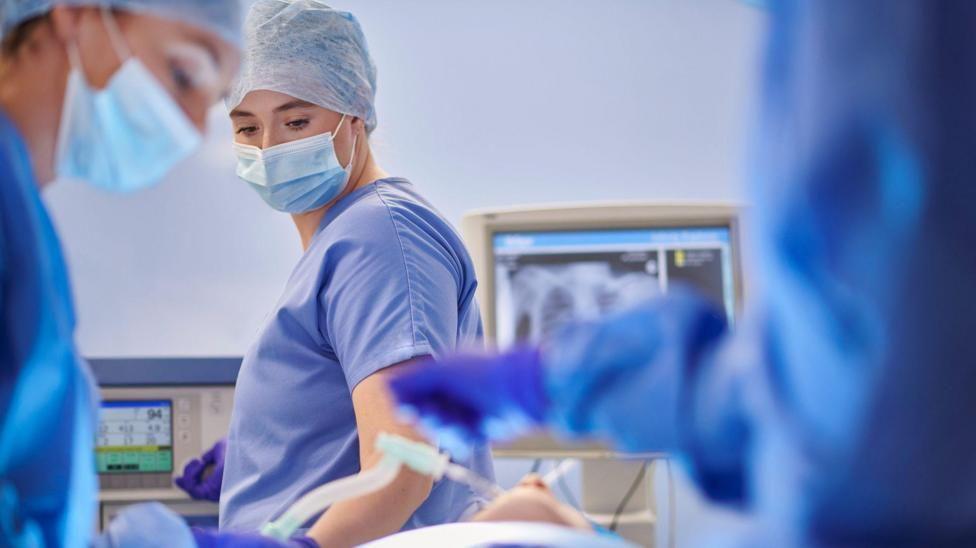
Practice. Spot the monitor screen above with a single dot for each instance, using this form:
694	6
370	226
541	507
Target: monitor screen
544	279
135	436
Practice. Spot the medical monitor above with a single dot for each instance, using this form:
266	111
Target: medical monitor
156	415
541	267
135	437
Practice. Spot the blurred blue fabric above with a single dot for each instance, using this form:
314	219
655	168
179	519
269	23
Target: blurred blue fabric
47	398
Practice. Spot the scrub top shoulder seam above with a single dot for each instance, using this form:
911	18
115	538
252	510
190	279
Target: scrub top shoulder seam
403	258
388	359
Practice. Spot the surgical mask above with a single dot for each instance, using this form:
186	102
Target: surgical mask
126	136
297	176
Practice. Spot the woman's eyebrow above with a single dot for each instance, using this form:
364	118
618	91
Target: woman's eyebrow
237	113
297	103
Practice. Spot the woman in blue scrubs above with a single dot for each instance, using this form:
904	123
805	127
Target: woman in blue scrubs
112	92
384	279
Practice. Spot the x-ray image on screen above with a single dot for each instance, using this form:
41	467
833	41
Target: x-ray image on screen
539	293
543	280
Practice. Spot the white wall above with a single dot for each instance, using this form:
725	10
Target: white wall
480	104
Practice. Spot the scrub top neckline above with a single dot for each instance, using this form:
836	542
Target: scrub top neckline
346	201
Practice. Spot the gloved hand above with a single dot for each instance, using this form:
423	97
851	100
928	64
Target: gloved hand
628	378
623	378
197	481
473	397
211	538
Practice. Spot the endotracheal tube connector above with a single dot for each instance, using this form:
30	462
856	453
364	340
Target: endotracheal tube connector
397	452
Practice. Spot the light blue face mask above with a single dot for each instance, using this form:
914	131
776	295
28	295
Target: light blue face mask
126	136
297	176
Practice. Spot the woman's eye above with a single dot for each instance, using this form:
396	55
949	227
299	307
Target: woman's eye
297	124
246	130
182	78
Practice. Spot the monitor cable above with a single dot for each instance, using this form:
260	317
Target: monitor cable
615	522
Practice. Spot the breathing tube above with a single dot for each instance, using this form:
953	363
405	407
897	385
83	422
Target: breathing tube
397	453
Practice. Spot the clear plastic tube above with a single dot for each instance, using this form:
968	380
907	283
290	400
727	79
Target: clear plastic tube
483	486
397	452
559	471
317	500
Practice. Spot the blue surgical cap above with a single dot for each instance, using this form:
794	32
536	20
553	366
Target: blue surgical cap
222	17
310	51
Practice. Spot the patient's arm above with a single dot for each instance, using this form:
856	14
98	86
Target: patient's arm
531	500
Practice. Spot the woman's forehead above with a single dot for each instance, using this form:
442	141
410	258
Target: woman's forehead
265	101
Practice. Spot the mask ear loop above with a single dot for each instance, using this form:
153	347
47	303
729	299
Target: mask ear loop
335	131
115	35
352	158
76	77
355	139
74	58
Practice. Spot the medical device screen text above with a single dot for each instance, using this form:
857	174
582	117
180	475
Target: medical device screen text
545	279
135	436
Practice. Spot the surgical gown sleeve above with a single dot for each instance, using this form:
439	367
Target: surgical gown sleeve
844	402
392	289
47	411
633	380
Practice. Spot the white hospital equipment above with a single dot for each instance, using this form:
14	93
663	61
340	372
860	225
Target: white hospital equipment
156	414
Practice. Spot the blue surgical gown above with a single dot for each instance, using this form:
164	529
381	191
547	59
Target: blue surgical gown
841	409
47	412
384	279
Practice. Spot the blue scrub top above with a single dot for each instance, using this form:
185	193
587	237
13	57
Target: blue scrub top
47	412
385	279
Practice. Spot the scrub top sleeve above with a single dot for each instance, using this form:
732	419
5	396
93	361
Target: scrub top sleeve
390	295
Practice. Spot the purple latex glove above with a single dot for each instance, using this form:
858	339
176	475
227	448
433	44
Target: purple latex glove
200	483
472	398
211	538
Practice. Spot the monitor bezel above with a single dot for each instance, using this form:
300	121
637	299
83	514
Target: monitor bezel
481	228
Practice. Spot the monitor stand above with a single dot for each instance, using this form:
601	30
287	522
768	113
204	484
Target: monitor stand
605	483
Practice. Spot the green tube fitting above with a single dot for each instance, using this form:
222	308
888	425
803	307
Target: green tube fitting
281	529
417	456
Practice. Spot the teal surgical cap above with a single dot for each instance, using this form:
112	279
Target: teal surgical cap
310	51
221	17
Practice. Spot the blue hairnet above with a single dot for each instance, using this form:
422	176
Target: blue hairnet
222	17
310	51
